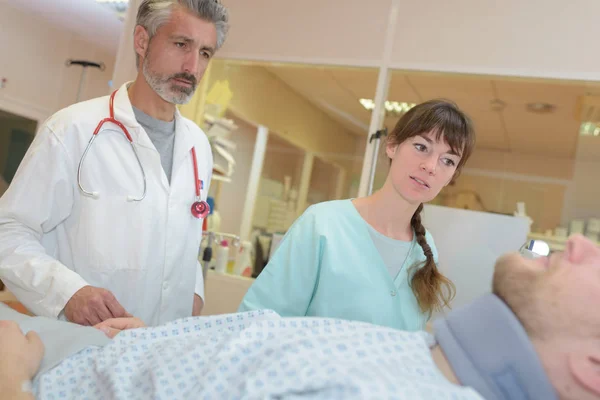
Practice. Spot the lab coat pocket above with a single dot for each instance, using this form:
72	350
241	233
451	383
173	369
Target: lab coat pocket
116	233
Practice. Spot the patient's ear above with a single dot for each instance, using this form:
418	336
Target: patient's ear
585	368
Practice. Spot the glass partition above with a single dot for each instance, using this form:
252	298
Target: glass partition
327	182
317	133
278	199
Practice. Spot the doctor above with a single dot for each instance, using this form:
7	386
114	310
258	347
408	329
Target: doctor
89	233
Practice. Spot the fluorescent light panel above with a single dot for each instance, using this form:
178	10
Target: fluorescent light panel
589	129
391	107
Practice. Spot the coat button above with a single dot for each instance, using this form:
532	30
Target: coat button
393	293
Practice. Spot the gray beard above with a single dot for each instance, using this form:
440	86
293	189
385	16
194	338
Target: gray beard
168	91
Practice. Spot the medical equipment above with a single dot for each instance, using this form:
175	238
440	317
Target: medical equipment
535	248
243	259
199	209
207	252
222	257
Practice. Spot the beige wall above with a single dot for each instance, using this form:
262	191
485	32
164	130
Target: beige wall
543	201
515	163
503	179
33	61
323	181
582	198
260	97
283	159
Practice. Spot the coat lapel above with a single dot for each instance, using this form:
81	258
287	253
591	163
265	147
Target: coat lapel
184	141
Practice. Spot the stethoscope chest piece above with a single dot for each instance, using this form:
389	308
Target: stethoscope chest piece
200	209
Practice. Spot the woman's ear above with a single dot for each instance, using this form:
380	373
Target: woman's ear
585	368
390	150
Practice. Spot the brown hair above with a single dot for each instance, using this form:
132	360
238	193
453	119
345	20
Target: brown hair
442	117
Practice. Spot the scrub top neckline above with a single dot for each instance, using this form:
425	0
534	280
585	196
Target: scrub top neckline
383	271
372	228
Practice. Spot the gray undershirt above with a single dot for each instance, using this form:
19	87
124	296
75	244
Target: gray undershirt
162	135
393	252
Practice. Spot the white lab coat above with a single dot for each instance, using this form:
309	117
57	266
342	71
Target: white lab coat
54	239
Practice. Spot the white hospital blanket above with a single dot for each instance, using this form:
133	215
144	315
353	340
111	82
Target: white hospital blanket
254	355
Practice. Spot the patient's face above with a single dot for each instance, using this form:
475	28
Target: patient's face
556	295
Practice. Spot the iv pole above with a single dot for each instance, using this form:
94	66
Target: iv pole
374	157
85	65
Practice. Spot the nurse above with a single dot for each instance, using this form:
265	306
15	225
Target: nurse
89	233
370	259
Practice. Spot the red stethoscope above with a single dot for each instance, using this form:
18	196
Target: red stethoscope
200	208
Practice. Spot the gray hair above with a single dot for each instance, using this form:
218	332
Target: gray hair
153	13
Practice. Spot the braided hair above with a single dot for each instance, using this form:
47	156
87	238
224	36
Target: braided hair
427	282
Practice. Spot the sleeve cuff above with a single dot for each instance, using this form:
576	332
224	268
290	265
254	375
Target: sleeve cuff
64	291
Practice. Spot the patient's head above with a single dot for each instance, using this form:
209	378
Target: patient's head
557	299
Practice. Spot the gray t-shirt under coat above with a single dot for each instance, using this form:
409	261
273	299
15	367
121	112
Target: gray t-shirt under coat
162	135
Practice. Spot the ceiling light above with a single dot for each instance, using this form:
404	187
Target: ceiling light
368	104
497	105
392	108
540	108
589	129
119	6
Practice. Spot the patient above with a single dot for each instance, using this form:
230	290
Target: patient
536	337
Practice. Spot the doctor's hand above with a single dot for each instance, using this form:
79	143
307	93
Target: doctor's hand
111	327
92	305
197	305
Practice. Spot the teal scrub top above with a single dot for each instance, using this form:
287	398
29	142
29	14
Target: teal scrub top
328	266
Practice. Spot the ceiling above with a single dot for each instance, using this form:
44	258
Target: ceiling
91	21
512	128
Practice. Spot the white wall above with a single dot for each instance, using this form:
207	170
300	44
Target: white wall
124	68
469	243
33	61
544	38
338	31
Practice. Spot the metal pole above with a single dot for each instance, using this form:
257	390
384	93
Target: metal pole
81	80
84	64
378	114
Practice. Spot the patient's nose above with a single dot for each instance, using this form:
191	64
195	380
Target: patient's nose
580	249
